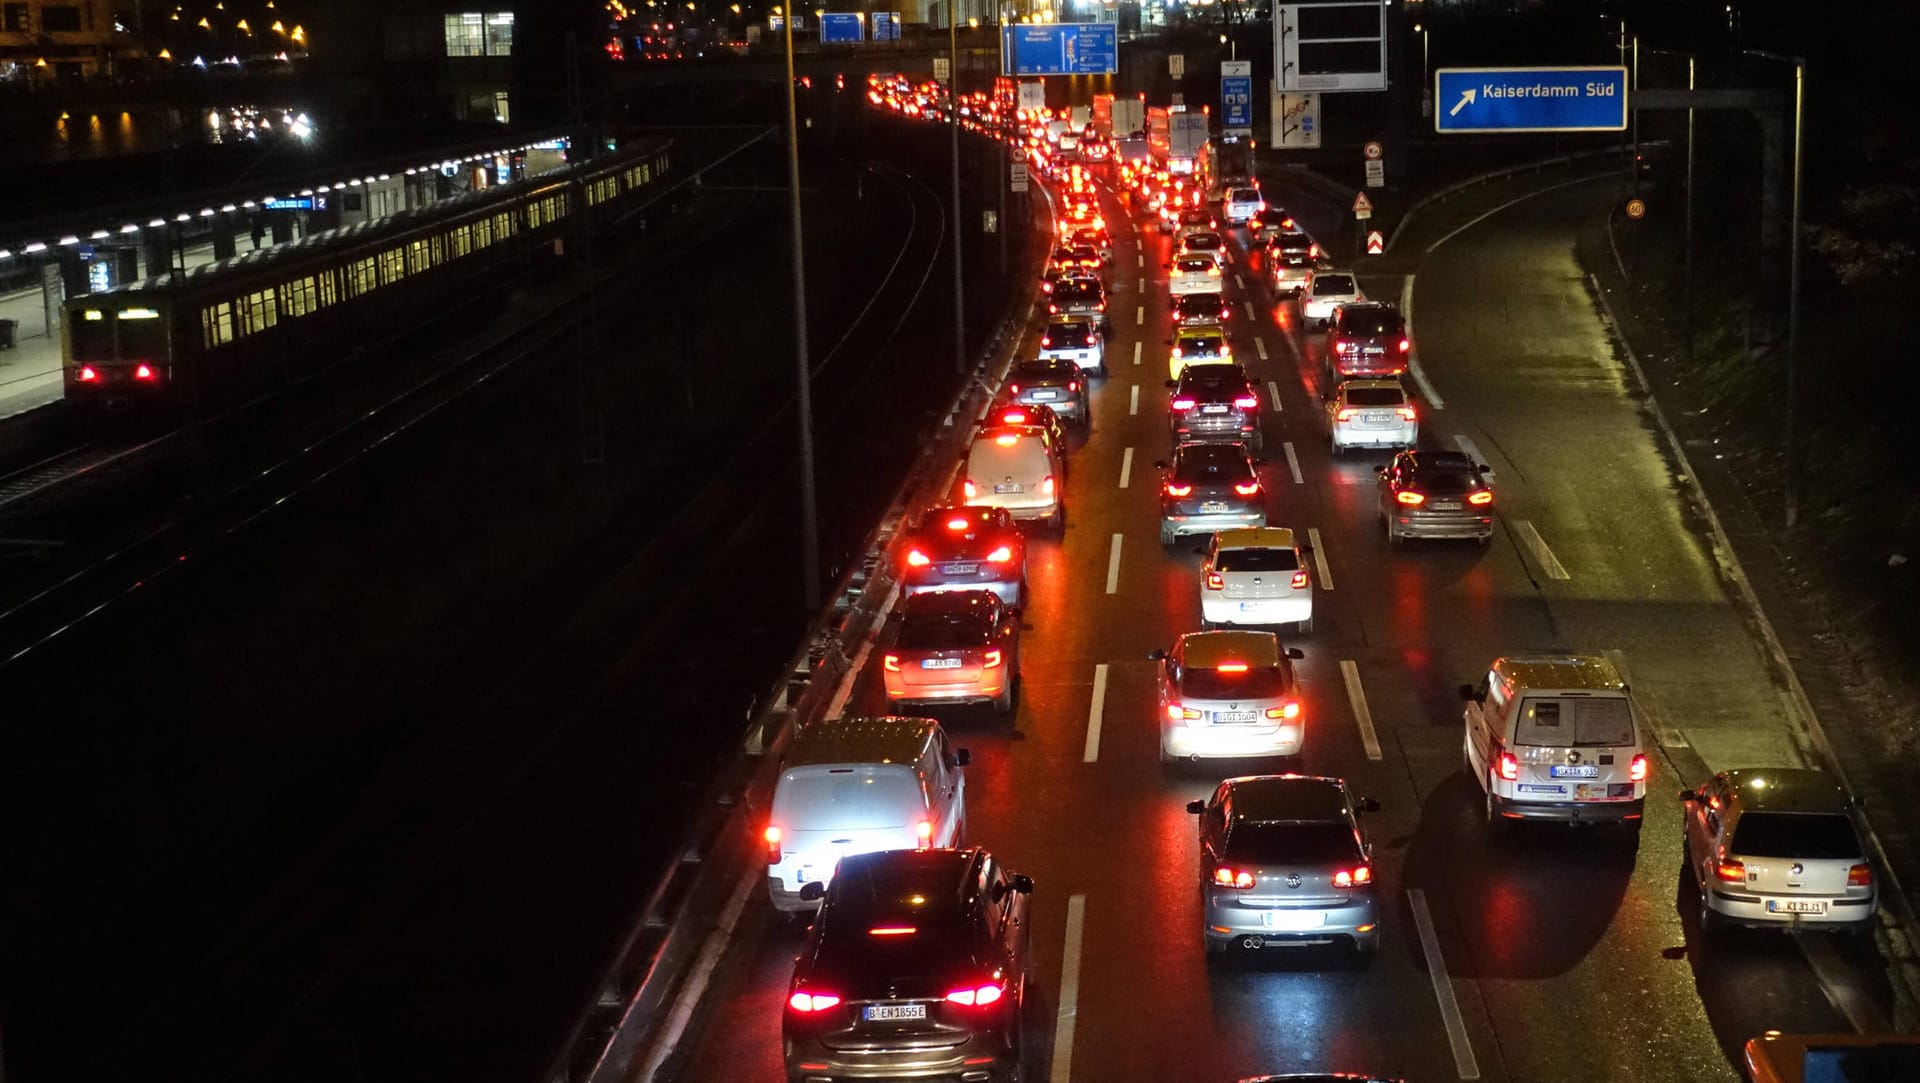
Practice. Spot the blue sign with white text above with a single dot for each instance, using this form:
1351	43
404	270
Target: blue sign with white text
1236	101
886	26
1062	48
1529	100
837	28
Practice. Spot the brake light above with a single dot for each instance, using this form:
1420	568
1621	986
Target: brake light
1226	350
891	663
1214	271
1346	414
143	372
1046	340
1000	555
1247	402
1234	878
772	835
1481	498
1405	345
1174	489
978	996
1248	488
1183	402
1410	498
1289	709
993	660
808	1003
1860	875
1300	578
917	559
1046	485
1313	251
1358	876
970	489
87	374
1509	766
924	832
892	930
1232	667
1406	413
1014	416
1735	872
1179	713
1051	307
1216	581
1637	771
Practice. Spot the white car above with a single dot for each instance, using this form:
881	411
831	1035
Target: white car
1194	272
1242	204
1326	290
1077	340
1371	413
1202	240
1256	575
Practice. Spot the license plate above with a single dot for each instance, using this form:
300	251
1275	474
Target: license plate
1006	487
1214	408
939	663
1248	607
1796	906
959	569
1446	505
878	1013
1293	919
1213	506
1044	396
1236	716
1574	770
1374	417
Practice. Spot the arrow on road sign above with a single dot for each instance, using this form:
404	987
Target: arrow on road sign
1376	244
1466	99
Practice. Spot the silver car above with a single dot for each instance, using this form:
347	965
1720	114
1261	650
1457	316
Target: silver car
1228	693
1284	862
1326	290
1208	488
1777	847
1371	414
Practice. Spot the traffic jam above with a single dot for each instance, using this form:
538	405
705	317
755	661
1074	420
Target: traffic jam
1191	330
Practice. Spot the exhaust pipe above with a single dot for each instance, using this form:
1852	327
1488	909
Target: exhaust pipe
1252	943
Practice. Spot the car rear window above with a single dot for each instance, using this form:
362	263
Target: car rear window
1292	844
1211	462
1256	560
1445	481
1085	252
1795	834
1375	396
1200	343
1071	290
941	632
1031	371
1369	323
1575	720
1298	241
1201	241
1333	284
1070	334
1245	195
1193	265
856	797
1256	682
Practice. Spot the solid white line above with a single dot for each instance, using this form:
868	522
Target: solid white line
1320	558
1126	468
1133	401
1273	389
1413	359
694	987
1472	451
1139	316
1239	283
1136	353
1261	345
1463	1062
1096	710
1512	203
1293	463
1549	563
1062	1069
1250	315
1362	717
1113	565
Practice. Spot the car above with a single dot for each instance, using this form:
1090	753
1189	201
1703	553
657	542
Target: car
1088	257
1555	737
1371	414
1079	295
1269	222
1227	693
1005	413
1285	862
1076	339
1097	239
956	547
1435	494
1256	575
1203	240
1080	213
1242	204
1290	257
916	967
1324	291
1198	344
1209	487
1193	309
1053	383
1367	338
1195	218
1020	468
959	646
1777	848
1214	402
1193	272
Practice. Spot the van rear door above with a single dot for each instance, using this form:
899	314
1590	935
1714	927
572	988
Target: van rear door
1582	744
827	812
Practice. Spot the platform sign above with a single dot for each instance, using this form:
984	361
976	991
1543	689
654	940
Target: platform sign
1590	99
886	26
1062	48
1236	95
837	28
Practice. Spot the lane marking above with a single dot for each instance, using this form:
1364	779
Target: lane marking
845	692
1126	469
1096	711
1250	316
1133	402
1141	285
1549	563
1261	345
1357	699
1836	980
1238	282
1320	558
1293	463
1140	316
1062	1068
1413	357
1273	389
1466	445
1463	1061
1136	353
1665	734
1113	565
1141	259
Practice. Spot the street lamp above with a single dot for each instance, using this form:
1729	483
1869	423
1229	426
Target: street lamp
1790	482
1686	279
1233	47
803	401
1426	69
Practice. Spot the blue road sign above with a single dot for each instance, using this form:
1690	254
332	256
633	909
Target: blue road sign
1529	100
1236	101
886	26
1062	48
837	28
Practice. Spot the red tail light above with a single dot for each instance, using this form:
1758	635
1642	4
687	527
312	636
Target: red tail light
1216	581
1733	872
1248	488
978	996
1001	555
971	489
1358	876
808	1003
917	559
87	374
1231	667
1406	413
1480	499
1176	352
1860	875
1637	771
891	663
1177	712
1015	416
1300	578
1183	402
1313	251
772	835
1289	709
1051	307
1233	878
1410	498
1346	414
1405	345
1046	340
1247	402
924	832
1073	385
143	372
992	660
959	524
1046	485
1174	489
1509	766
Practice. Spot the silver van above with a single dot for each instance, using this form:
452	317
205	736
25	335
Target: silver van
1016	467
1556	737
857	785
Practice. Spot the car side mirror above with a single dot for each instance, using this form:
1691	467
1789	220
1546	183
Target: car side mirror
1688	797
1196	807
1294	652
1156	655
1023	883
1468	694
1368	804
813	892
962	757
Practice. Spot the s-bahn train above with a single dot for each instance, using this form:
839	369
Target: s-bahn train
229	332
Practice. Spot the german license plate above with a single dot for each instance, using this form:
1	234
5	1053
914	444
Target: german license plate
877	1013
1248	607
1446	505
1213	506
1293	920
1574	770
1214	408
1236	716
1044	396
1007	487
1796	906
939	663
959	569
1374	417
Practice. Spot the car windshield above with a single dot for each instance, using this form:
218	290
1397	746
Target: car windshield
1253	683
1575	720
1211	463
1333	284
1256	560
1292	844
941	632
1369	323
1794	834
1375	396
1201	241
1245	195
1070	334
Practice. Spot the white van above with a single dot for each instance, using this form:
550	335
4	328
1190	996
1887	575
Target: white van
1556	737
857	785
1016	467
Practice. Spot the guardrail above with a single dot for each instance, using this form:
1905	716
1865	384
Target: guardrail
1441	194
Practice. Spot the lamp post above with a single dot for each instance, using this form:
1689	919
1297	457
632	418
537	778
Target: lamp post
953	124
1790	480
1426	70
809	516
1233	47
1686	278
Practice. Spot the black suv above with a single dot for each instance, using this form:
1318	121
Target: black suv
1214	402
1367	338
916	965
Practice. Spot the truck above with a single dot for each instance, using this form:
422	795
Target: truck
1187	144
1229	165
1159	134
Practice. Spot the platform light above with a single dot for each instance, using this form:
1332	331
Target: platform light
229	208
5	254
130	228
157	223
69	240
34	246
183	216
206	212
247	203
98	235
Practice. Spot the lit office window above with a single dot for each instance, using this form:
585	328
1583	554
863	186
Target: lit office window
475	34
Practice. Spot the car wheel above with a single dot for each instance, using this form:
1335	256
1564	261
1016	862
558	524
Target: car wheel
1259	442
1306	626
1496	824
1711	923
1003	703
1366	946
1167	537
1393	535
1057	522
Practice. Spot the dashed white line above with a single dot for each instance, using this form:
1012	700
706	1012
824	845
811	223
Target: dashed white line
1413	358
1133	402
1113	565
1273	390
1141	285
1250	316
1320	558
1096	710
1239	282
1549	563
1463	1061
1136	353
1260	344
1061	1070
1293	463
1126	468
1466	445
1357	699
1139	316
1141	259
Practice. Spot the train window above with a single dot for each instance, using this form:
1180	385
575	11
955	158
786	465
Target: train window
216	323
438	255
91	334
503	225
297	297
458	243
482	229
420	255
258	312
142	333
393	265
360	277
328	288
